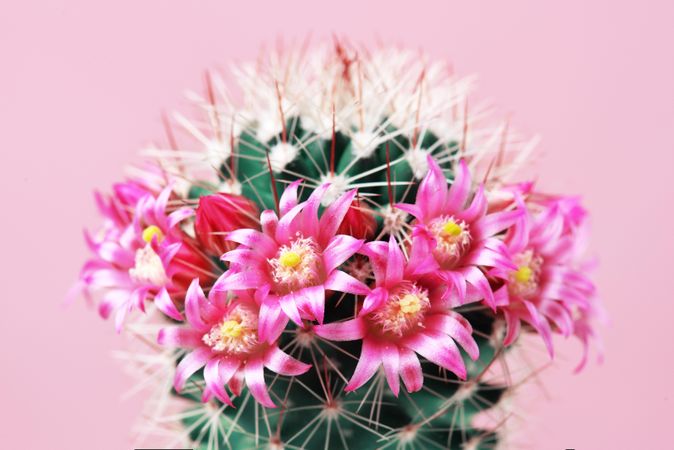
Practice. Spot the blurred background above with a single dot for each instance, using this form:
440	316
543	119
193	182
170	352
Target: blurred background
82	86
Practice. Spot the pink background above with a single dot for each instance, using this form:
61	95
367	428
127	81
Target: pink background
81	88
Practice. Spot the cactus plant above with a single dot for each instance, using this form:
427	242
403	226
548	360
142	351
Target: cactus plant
345	221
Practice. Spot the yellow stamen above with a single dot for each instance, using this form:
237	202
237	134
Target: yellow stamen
410	304
290	259
451	228
152	231
523	274
231	329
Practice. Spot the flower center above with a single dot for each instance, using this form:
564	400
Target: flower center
148	267
290	259
235	334
524	281
296	265
152	231
403	311
452	240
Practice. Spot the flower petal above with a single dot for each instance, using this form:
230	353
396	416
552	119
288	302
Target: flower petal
189	365
439	349
164	304
410	370
432	193
215	383
343	282
391	360
193	300
254	374
340	248
368	363
179	337
289	197
282	363
334	215
458	193
349	330
457	330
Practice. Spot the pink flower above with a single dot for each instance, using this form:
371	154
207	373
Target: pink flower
136	253
404	315
547	289
293	260
462	236
222	337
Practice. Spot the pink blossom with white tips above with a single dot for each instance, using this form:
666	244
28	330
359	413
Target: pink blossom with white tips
222	338
461	235
548	289
403	316
294	260
133	253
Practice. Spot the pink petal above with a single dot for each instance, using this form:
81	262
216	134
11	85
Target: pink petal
495	223
288	199
421	257
541	325
349	330
377	252
334	215
312	299
289	307
368	363
432	191
179	337
391	360
310	213
268	222
285	229
178	216
410	208
456	330
343	282
395	263
254	374
410	370
374	300
189	365
477	208
513	327
193	300
340	248
272	321
476	278
254	239
560	315
239	281
164	303
282	363
458	193
214	383
439	349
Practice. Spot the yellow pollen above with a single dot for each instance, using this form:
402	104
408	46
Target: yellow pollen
290	259
451	228
523	274
152	231
231	329
409	304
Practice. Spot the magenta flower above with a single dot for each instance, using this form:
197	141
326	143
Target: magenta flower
404	315
462	237
223	338
293	260
133	253
546	289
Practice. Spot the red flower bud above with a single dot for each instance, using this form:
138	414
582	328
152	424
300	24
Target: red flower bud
358	222
221	213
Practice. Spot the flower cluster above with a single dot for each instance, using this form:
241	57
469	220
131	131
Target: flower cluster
515	253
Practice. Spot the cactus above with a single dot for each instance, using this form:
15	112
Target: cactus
336	119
